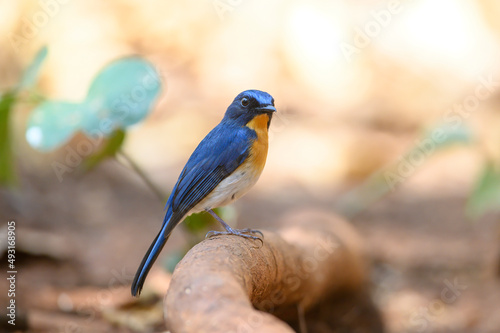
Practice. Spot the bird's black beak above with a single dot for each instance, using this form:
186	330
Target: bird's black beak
266	109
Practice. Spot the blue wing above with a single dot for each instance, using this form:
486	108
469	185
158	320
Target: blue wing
216	157
220	153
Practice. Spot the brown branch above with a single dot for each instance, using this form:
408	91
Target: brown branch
221	281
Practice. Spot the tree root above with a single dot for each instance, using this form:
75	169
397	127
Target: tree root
231	284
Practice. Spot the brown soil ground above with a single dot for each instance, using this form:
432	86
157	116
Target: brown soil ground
80	241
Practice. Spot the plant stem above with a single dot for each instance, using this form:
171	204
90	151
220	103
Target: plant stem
159	194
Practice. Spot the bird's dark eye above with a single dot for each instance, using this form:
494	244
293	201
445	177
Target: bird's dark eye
245	101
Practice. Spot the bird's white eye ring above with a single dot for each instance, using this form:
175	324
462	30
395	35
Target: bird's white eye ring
245	101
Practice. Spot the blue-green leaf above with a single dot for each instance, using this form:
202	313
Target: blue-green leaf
31	73
121	95
52	123
445	135
486	195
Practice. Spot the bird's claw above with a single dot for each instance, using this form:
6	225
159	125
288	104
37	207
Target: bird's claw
242	233
252	231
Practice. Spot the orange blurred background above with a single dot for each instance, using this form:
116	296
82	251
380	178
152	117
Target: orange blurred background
354	81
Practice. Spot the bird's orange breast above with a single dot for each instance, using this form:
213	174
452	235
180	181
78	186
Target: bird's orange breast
258	151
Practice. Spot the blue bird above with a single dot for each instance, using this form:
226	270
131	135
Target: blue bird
224	166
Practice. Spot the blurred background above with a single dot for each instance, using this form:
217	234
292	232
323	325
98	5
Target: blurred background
388	114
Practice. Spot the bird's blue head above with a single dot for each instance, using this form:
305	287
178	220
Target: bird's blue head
249	104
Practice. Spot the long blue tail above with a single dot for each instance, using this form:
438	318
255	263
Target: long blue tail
154	250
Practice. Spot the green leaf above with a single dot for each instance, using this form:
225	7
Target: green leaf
203	222
198	223
52	123
31	73
7	172
113	145
122	94
486	195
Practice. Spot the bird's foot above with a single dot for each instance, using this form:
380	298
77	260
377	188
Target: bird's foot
245	233
252	231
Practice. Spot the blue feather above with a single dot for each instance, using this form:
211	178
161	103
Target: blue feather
220	153
153	252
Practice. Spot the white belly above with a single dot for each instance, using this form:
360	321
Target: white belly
229	190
